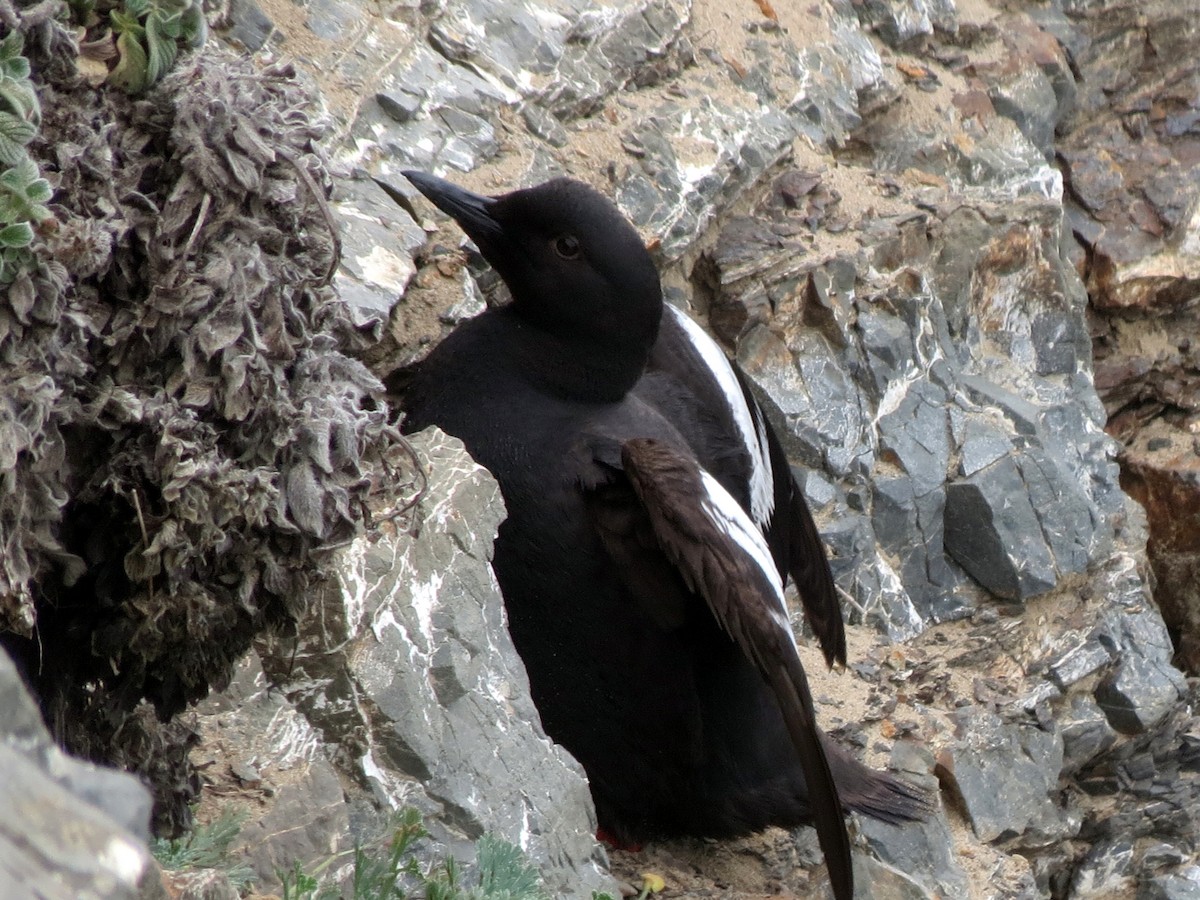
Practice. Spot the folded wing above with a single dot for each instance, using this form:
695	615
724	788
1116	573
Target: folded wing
677	521
792	524
774	499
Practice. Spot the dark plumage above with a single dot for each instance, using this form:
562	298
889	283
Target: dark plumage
708	398
641	594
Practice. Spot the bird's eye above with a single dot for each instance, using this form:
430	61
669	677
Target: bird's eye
567	246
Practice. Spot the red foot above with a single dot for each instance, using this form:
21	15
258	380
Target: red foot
610	840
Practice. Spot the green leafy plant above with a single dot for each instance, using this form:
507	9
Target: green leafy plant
299	885
139	39
20	111
23	192
501	872
148	34
207	847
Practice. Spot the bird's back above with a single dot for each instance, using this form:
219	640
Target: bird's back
603	672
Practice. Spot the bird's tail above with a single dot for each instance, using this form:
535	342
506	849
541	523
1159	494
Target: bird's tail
879	795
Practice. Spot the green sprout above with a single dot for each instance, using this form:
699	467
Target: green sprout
142	36
23	192
207	847
20	112
501	872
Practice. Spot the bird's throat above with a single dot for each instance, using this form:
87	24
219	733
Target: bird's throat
586	369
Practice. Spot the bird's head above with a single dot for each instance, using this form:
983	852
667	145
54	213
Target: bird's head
574	265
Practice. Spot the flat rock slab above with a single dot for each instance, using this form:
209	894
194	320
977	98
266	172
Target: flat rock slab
405	675
1005	775
68	829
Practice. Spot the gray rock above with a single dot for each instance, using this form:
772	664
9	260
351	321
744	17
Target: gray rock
1157	856
257	747
22	727
563	58
851	61
543	123
504	44
992	531
402	104
306	820
1183	885
455	127
923	849
673	197
1006	776
1020	412
909	529
1077	662
1139	694
605	50
887	341
899	22
1064	512
875	880
59	835
407	667
1105	872
916	432
379	240
329	19
982	445
998	162
119	795
1030	100
816	397
1085	732
249	25
829	109
873	582
1141	627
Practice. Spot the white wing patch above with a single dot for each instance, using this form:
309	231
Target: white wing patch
724	512
762	486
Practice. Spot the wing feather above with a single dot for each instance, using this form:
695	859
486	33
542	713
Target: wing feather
807	560
721	556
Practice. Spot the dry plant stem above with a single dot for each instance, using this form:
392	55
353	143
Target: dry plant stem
137	508
415	458
201	218
326	214
849	598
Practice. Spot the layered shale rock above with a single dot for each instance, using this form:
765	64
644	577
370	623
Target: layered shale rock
1129	158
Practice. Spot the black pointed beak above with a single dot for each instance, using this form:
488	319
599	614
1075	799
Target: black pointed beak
473	212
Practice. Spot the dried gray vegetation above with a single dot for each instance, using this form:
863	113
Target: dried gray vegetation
179	431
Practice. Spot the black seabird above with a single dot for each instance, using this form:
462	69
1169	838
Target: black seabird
645	601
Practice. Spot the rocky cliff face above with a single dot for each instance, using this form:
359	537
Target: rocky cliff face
955	245
1129	156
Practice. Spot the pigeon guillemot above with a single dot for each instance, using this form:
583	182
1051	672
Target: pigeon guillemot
648	524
